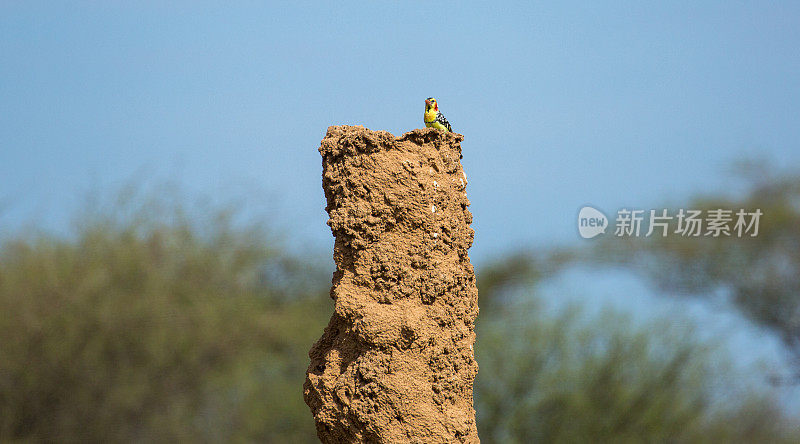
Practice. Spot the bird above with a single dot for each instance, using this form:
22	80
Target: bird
434	118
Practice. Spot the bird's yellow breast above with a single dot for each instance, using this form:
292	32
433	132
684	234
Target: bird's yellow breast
430	116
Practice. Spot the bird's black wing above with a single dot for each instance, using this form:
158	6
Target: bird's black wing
440	118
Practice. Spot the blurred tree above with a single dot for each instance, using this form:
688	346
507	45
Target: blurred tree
570	377
157	323
761	274
151	326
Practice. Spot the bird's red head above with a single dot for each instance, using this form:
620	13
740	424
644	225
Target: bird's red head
430	102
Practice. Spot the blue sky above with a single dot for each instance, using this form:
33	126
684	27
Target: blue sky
563	104
610	104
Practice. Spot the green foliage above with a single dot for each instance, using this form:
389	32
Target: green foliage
569	378
149	327
159	324
762	273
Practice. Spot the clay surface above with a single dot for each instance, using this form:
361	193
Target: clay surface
396	363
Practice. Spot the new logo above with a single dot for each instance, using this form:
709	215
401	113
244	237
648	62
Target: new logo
591	222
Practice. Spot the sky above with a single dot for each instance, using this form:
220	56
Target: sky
610	104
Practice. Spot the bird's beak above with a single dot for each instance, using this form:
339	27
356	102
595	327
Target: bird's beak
427	102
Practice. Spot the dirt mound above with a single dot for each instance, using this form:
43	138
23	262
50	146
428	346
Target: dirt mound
396	363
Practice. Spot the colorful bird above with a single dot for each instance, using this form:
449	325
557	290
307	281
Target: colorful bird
433	117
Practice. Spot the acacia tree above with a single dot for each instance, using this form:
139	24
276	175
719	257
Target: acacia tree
151	325
760	273
571	377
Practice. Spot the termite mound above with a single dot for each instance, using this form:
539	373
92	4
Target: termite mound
396	361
